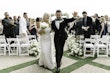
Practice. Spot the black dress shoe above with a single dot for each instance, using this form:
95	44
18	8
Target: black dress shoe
58	70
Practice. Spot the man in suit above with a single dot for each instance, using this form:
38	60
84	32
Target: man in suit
17	25
58	26
8	26
87	23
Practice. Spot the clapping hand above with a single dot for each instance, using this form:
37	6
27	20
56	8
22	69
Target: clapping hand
12	23
85	28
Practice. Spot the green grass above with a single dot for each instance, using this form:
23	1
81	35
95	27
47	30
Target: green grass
100	65
80	62
16	67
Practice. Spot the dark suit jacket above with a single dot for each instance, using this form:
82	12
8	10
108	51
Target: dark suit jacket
97	23
7	27
89	31
88	23
61	33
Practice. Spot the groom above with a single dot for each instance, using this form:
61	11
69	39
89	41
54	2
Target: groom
58	26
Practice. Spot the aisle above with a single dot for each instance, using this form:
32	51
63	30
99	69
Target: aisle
70	64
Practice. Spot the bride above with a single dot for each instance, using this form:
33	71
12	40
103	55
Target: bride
46	58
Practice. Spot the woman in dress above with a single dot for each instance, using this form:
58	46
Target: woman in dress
102	26
33	28
46	58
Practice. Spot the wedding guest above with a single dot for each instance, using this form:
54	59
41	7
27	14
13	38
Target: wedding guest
102	31
18	18
78	29
17	25
106	23
93	26
1	27
75	16
8	25
32	27
38	22
87	22
108	26
23	30
97	22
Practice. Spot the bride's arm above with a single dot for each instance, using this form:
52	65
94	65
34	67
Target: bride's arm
39	30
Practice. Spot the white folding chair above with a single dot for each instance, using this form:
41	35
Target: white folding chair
2	36
88	45
107	37
3	46
81	41
13	46
23	46
32	37
95	37
102	47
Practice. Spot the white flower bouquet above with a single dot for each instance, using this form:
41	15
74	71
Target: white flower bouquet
43	27
34	48
74	47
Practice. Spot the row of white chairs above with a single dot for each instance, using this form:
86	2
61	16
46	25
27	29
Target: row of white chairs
98	45
15	46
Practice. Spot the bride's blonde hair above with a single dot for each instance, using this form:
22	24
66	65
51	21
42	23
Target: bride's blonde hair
45	16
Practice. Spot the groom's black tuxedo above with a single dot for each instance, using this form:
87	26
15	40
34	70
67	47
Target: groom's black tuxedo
60	37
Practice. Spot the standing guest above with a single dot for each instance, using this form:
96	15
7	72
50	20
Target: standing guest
102	31
106	20
75	16
38	22
1	27
93	25
87	22
108	26
58	26
18	18
78	29
17	25
23	30
8	25
97	23
32	27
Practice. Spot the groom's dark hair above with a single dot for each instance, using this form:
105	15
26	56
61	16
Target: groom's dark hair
58	11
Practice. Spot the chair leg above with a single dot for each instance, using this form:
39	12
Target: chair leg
98	52
107	51
4	51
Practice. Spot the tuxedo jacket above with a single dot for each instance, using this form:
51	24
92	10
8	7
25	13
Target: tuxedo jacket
61	33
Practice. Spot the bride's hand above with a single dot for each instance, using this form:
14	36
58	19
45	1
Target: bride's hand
42	31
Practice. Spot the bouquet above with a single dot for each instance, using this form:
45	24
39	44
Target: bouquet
34	48
44	26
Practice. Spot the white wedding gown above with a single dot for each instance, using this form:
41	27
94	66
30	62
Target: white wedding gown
46	57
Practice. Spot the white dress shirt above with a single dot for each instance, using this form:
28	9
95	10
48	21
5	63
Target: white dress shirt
57	23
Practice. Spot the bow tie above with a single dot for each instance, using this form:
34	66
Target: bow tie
58	19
